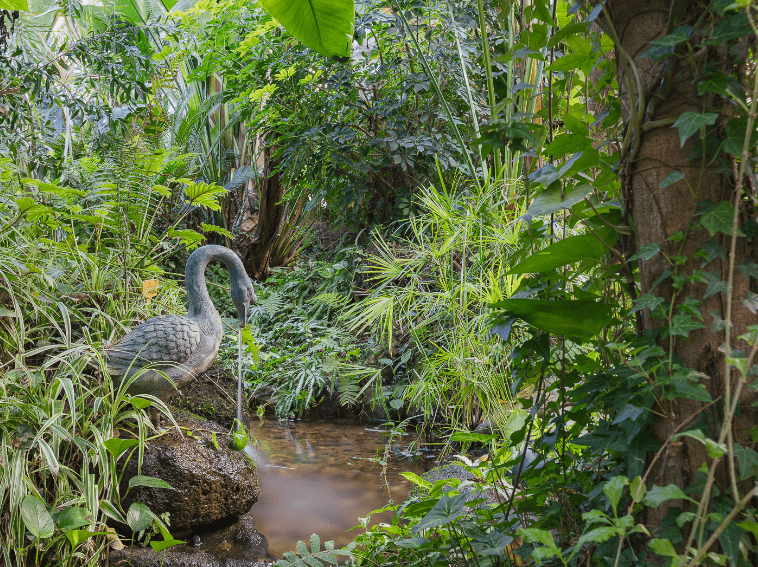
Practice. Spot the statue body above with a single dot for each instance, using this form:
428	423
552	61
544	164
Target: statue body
182	348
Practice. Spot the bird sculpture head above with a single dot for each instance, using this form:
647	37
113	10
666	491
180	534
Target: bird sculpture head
242	295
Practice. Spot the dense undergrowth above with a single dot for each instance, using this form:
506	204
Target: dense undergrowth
489	174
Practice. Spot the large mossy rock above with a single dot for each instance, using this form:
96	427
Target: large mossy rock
212	396
454	470
210	484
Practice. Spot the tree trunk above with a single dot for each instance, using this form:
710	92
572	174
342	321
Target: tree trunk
658	213
256	253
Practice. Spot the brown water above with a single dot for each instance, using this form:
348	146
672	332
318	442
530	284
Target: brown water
320	477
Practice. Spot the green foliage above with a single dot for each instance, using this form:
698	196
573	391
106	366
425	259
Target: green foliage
324	26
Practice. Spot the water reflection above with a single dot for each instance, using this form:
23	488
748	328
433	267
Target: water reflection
320	477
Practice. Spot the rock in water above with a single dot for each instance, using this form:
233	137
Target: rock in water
210	484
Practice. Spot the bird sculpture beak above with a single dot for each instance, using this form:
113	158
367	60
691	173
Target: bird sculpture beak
242	313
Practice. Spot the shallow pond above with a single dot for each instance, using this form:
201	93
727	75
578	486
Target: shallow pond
321	476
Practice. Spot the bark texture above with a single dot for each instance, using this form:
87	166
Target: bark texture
658	213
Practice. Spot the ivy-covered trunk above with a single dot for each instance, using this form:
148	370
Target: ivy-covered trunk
679	192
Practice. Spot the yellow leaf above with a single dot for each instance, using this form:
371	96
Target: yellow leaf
149	289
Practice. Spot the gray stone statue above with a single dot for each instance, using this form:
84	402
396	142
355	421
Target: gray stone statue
182	348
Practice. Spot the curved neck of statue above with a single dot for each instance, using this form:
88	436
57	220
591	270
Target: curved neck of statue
200	307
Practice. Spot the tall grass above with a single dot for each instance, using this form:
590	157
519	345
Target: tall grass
430	301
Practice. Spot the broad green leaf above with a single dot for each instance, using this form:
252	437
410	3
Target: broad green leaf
720	219
551	200
416	479
671	178
446	510
73	518
535	535
570	317
597	535
240	438
472	437
36	517
323	25
566	251
75	537
117	446
658	494
614	488
150	481
165	544
411	543
715	449
689	123
663	547
12	5
139	517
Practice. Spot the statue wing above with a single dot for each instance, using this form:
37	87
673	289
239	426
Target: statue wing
169	339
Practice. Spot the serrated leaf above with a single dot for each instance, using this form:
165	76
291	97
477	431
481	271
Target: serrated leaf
614	488
689	123
748	461
217	230
205	195
597	535
563	252
36	517
720	219
683	324
647	301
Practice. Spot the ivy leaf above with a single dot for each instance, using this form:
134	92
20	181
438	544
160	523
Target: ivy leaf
647	301
646	252
715	284
690	122
671	178
748	461
569	317
730	542
751	302
658	494
683	324
566	251
323	25
679	35
720	219
715	449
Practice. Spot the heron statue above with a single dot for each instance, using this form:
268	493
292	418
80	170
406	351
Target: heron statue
167	352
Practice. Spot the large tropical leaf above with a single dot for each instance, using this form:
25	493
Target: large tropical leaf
580	317
323	25
567	251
